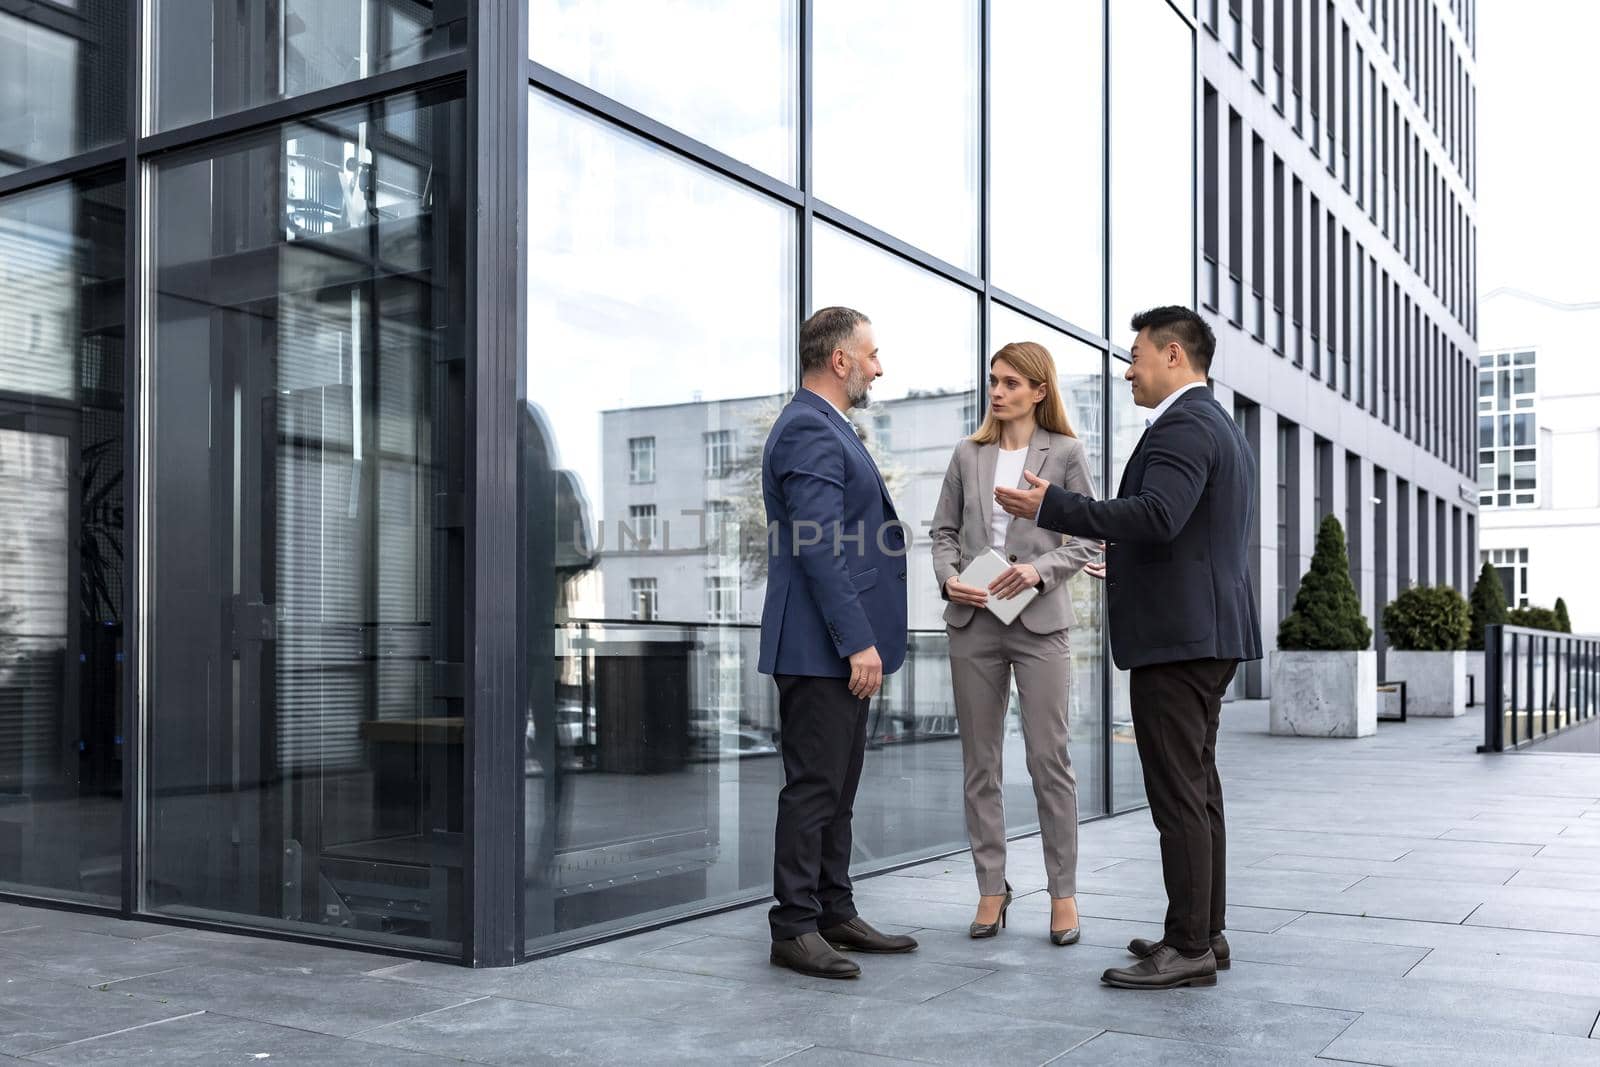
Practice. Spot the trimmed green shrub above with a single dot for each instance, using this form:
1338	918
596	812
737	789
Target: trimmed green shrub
1534	618
1488	605
1327	613
1427	618
1563	620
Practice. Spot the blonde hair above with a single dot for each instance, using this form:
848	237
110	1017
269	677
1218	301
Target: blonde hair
1034	362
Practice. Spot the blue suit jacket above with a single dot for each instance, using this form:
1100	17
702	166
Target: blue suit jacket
836	564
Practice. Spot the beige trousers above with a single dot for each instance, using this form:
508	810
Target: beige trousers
984	655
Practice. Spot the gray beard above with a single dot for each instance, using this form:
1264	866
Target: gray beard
858	390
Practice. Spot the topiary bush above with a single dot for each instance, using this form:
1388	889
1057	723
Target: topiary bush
1428	618
1563	620
1534	618
1327	613
1488	605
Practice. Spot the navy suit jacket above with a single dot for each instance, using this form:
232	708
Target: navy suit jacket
836	563
1177	539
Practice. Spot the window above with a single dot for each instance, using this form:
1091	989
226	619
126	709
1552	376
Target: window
62	81
914	98
1380	550
883	430
641	460
721	525
1508	430
1258	237
1512	566
1275	333
1211	204
1423	541
642	529
1322	463
1316	287
722	599
1298	294
1236	180
1403	532
670	61
642	595
1354	504
719	453
1288	514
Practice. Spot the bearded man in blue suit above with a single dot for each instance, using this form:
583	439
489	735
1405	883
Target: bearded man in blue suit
833	626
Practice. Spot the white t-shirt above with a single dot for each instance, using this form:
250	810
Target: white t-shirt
1007	472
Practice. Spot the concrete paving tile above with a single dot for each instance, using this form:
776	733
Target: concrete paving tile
37	1014
624	949
1409	1041
568	981
1508	834
93	958
1562	920
1113	1049
1355	957
498	1031
266	957
1542	879
19	916
1421	997
205	1039
823	1056
900	977
1151	910
1208	1016
339	1005
1506	970
939	1032
1447	935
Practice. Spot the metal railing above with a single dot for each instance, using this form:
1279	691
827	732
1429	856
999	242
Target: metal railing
1536	683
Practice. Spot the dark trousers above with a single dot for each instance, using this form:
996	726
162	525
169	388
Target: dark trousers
824	743
1176	707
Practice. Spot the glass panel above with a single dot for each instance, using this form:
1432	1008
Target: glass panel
1081	380
896	126
1523	380
651	738
1127	426
1152	159
1046	197
212	58
63	82
61	541
1523	425
304	772
672	62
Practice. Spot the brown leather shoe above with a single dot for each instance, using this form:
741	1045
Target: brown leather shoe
1165	968
810	954
858	936
1219	948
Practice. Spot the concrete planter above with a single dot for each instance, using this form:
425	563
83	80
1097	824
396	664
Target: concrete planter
1324	694
1436	682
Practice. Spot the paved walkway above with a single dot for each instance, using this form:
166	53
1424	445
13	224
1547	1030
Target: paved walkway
1396	900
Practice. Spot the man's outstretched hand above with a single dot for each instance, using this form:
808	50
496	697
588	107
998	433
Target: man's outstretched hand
1023	503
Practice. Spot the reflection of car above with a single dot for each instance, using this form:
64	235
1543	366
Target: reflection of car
571	727
711	742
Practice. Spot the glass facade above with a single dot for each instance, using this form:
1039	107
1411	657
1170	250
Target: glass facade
250	604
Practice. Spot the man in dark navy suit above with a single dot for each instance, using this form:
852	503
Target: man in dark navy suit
1182	617
834	624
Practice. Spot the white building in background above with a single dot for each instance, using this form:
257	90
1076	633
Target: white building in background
1539	450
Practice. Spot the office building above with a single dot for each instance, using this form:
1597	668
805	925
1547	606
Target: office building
1539	450
381	384
1338	251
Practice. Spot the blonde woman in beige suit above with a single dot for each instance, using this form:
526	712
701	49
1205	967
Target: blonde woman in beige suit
1026	429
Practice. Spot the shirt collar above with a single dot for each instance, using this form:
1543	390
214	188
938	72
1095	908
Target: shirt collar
1161	408
828	402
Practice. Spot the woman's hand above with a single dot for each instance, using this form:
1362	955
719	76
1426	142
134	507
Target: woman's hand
964	594
1097	569
1014	580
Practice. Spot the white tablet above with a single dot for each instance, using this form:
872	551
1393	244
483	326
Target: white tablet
986	568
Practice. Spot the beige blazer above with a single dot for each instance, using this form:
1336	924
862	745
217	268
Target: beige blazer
961	527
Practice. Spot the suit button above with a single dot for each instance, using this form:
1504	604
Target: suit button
1012	558
902	576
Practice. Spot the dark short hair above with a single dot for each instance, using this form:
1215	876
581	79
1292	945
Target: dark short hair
825	331
1183	325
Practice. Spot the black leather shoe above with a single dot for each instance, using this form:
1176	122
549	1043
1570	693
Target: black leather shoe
858	936
1165	968
1219	948
810	954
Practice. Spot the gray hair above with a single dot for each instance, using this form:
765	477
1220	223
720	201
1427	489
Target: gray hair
825	331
